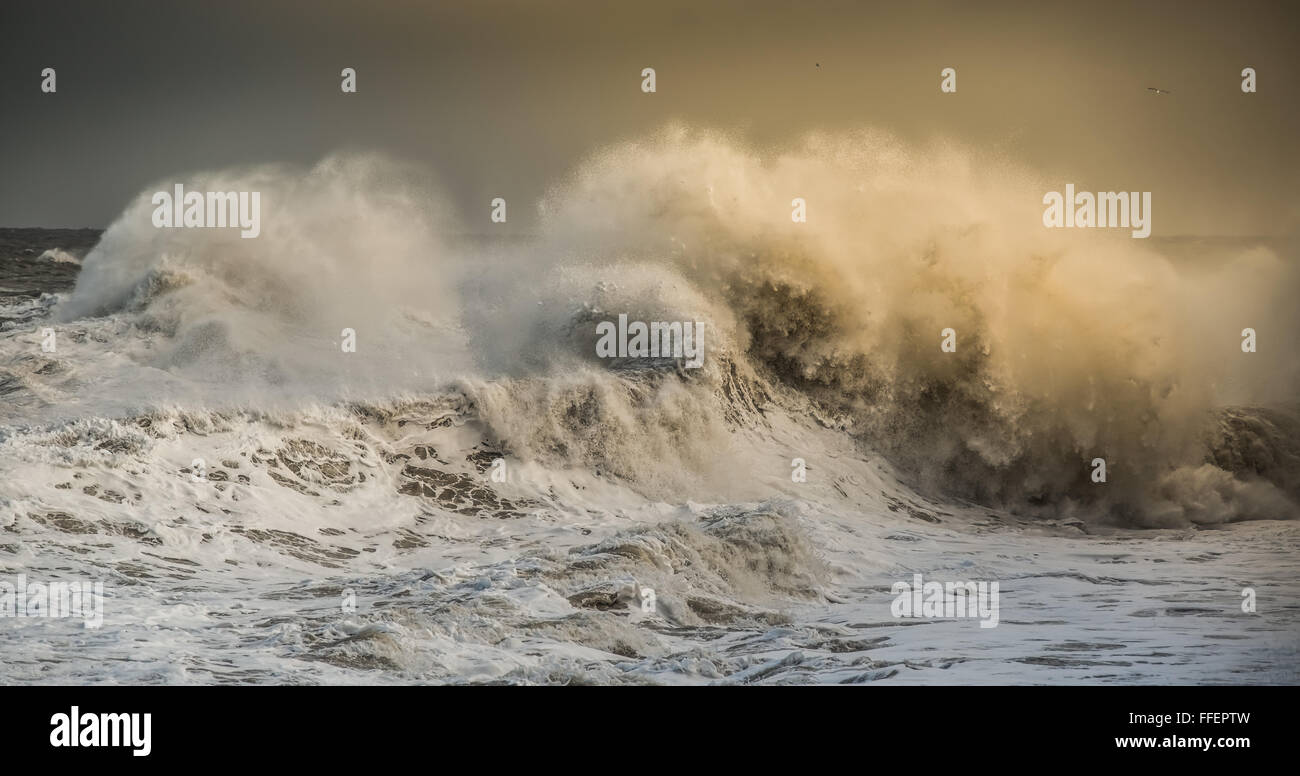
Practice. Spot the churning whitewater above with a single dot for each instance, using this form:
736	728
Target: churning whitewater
476	491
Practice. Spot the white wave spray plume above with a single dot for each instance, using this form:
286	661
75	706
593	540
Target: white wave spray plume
1072	345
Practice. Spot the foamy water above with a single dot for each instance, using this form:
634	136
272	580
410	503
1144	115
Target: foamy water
347	526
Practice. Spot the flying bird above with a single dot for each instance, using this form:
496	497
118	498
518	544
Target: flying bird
1158	91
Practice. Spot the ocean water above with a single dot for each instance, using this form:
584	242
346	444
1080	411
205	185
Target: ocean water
472	496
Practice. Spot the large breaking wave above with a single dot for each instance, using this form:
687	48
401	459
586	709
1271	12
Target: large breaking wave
1072	345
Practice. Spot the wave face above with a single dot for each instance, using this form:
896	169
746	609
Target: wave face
373	471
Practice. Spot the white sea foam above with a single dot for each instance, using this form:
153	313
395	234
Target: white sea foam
58	256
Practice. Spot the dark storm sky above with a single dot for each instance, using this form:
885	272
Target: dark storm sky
502	98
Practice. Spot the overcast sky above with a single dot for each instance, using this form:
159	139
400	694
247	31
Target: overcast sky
501	98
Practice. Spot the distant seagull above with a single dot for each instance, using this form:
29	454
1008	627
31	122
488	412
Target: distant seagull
1158	91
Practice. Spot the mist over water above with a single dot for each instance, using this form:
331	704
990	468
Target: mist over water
1071	344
